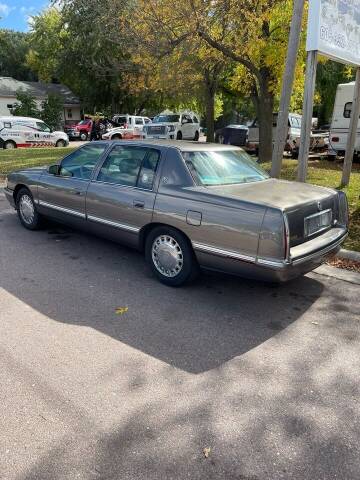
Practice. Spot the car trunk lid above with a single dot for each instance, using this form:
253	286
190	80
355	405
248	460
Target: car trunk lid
298	201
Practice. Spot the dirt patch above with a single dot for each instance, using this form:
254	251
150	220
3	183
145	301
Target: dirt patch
345	264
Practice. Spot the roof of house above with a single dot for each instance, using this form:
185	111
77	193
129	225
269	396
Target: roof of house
9	87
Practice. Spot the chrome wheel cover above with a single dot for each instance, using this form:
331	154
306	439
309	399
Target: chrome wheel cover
167	256
26	208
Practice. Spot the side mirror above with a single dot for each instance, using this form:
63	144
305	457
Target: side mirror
54	169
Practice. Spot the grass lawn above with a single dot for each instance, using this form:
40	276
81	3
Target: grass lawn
11	160
321	172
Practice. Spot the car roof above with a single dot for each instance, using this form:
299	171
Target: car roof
181	145
12	118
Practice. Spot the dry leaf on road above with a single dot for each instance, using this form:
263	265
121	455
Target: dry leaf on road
206	452
121	310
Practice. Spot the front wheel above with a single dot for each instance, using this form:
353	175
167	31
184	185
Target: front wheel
170	256
179	136
60	143
83	136
197	136
26	209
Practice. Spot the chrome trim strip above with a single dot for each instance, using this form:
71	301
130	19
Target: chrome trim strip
223	253
62	209
272	263
113	224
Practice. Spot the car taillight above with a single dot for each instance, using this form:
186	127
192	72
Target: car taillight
286	238
335	139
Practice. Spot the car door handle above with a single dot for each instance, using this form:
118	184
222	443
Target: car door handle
139	204
78	192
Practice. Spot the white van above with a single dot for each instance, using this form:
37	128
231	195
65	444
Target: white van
340	122
29	132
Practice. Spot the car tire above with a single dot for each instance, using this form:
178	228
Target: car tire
197	136
170	256
9	145
26	209
179	136
83	136
116	137
60	144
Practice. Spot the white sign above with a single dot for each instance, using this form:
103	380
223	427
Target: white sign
334	29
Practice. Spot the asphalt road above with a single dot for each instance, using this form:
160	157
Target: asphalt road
266	378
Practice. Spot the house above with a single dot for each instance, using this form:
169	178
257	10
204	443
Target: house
9	86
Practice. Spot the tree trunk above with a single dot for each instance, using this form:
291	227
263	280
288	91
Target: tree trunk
210	114
265	107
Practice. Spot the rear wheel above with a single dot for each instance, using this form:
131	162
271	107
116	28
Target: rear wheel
26	209
171	256
179	136
116	137
196	138
10	145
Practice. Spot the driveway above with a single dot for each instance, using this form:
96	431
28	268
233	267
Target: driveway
265	378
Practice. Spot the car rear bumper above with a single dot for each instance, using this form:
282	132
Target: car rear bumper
302	259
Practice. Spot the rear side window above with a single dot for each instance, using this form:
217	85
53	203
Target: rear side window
148	170
138	121
130	166
347	109
122	165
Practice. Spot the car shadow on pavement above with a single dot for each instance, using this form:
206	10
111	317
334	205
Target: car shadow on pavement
82	280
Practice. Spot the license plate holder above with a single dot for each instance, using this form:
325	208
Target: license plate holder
317	222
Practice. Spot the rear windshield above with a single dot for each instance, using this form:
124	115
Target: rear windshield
223	167
166	118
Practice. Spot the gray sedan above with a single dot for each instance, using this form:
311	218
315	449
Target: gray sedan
186	205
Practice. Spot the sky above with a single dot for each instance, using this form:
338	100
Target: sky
14	14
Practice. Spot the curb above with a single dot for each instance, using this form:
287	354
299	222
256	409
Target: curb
338	274
349	255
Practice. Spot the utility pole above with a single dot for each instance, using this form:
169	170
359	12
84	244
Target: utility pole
287	85
306	123
351	140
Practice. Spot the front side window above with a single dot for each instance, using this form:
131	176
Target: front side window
130	166
223	167
138	121
43	127
81	163
186	119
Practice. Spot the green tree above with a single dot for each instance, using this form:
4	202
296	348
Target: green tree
14	47
25	105
329	75
51	111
